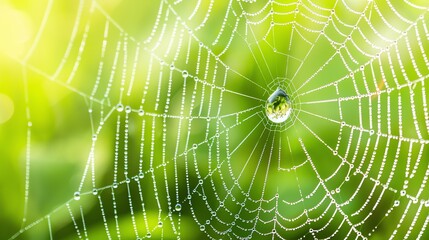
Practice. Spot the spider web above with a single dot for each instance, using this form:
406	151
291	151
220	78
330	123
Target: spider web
177	91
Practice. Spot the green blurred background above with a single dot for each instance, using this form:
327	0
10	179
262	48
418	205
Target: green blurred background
48	78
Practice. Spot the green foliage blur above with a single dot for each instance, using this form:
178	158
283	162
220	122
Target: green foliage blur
56	105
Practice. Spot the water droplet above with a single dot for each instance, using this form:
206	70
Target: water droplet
396	203
76	195
148	235
115	185
94	191
159	224
141	175
141	112
120	107
185	74
278	106
202	227
127	109
178	207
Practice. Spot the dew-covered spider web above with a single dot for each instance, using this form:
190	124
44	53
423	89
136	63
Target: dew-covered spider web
177	140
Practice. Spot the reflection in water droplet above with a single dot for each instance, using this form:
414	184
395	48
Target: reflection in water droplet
278	107
141	112
396	203
178	207
120	107
76	195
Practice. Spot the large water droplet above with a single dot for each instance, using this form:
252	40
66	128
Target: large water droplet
278	106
